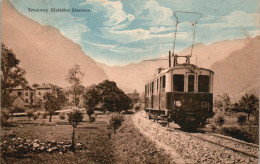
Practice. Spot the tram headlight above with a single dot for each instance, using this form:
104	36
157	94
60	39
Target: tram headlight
204	104
178	103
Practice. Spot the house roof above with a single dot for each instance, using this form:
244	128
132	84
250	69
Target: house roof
44	86
21	88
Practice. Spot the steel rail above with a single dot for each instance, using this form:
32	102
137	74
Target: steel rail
227	147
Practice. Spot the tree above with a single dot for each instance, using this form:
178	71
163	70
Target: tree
35	85
222	100
115	121
91	99
135	98
249	103
4	116
74	117
226	100
241	119
74	77
29	114
54	100
220	120
113	98
11	74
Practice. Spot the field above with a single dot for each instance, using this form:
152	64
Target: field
126	146
249	131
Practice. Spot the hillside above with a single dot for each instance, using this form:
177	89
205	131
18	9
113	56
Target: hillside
45	53
134	76
239	72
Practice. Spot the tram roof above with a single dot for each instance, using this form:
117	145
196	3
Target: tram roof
191	66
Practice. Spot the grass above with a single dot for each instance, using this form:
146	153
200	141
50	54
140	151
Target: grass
126	146
91	134
133	147
231	122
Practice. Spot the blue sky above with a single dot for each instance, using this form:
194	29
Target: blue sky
123	32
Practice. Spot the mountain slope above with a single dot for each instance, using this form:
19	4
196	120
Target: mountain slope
45	53
134	76
239	72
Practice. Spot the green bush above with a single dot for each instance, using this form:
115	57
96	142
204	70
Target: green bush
35	116
213	128
89	112
62	116
44	115
241	119
29	114
39	113
220	120
116	121
19	109
75	116
92	119
137	108
241	134
4	117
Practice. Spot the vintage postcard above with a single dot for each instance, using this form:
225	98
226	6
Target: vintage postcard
141	81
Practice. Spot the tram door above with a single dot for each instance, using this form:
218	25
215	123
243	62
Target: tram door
162	94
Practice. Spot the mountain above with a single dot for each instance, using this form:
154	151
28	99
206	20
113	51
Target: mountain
135	75
238	73
44	52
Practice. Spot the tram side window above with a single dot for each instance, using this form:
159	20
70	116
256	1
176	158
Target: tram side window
203	85
163	83
157	85
148	89
178	83
191	79
152	87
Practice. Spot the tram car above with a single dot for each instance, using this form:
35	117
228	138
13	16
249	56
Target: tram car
182	92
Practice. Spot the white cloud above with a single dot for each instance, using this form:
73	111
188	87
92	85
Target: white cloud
127	36
160	29
235	19
101	45
158	15
241	18
133	50
114	11
130	18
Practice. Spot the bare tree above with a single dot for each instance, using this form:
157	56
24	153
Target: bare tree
74	77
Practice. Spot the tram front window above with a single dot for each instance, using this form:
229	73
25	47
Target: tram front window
203	85
191	79
178	83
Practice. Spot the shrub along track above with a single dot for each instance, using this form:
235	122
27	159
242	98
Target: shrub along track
196	149
131	146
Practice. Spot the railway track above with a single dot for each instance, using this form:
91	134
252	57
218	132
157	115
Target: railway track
238	146
199	147
241	147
